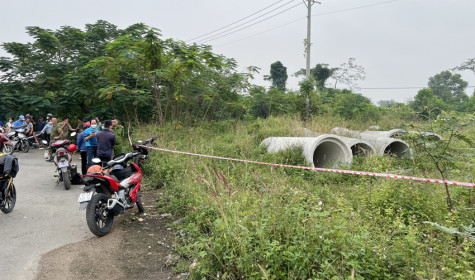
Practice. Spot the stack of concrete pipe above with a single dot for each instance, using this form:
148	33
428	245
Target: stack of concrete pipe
339	147
383	141
322	151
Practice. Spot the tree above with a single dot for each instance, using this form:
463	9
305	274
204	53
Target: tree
349	74
471	104
349	105
320	74
467	65
450	88
278	75
107	71
427	105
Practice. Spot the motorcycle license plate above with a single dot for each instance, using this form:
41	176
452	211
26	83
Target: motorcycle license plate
85	197
63	164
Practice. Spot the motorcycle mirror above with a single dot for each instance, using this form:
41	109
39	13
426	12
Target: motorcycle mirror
73	134
96	160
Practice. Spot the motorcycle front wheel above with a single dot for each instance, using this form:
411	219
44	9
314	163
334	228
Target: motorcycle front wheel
66	180
9	200
99	219
7	149
24	146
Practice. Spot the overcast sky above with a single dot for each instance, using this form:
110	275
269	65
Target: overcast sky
400	43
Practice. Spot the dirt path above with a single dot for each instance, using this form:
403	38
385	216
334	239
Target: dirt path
139	247
46	237
45	217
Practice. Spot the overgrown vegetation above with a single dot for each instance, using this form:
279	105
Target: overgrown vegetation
250	221
246	221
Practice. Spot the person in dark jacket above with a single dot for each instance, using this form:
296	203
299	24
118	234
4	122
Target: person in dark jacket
105	142
8	166
83	149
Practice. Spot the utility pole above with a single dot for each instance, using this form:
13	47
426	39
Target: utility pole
309	4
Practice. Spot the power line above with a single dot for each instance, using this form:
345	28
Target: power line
355	8
217	36
235	21
302	18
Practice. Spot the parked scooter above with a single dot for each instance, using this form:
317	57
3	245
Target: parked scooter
6	146
19	141
109	191
142	152
62	158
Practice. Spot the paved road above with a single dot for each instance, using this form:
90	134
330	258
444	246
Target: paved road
45	217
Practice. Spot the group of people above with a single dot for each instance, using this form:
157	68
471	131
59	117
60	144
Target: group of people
95	139
24	125
98	140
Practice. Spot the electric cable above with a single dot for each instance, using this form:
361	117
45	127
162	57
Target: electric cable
236	21
214	37
302	18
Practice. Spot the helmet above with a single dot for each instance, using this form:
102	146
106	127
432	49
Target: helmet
72	148
87	124
94	169
22	117
49	115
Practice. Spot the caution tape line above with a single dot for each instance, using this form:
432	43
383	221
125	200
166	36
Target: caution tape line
341	171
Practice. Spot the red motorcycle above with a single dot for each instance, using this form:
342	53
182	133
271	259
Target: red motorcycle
5	145
109	191
62	157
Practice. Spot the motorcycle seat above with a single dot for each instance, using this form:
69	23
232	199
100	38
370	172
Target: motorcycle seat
60	143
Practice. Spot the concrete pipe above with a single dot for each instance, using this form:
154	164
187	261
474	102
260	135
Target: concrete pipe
322	151
358	147
394	133
383	144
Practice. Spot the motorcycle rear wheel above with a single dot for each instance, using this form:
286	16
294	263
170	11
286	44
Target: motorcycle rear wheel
139	203
9	200
66	180
99	219
24	146
7	149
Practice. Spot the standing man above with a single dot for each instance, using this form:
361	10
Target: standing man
105	142
80	127
83	149
119	133
46	131
54	136
41	124
98	122
91	142
64	127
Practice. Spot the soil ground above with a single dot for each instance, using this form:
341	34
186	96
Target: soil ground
138	247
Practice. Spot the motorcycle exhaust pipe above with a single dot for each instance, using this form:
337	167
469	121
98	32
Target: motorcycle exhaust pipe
115	206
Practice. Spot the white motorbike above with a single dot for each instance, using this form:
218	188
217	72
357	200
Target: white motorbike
19	140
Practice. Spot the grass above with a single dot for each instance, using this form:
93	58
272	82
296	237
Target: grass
259	222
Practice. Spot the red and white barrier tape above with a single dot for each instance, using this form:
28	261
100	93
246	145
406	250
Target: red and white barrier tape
439	181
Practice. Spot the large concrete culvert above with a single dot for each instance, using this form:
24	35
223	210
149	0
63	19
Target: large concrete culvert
393	147
322	151
358	147
381	140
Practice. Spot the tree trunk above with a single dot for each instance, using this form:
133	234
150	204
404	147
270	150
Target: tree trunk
156	91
